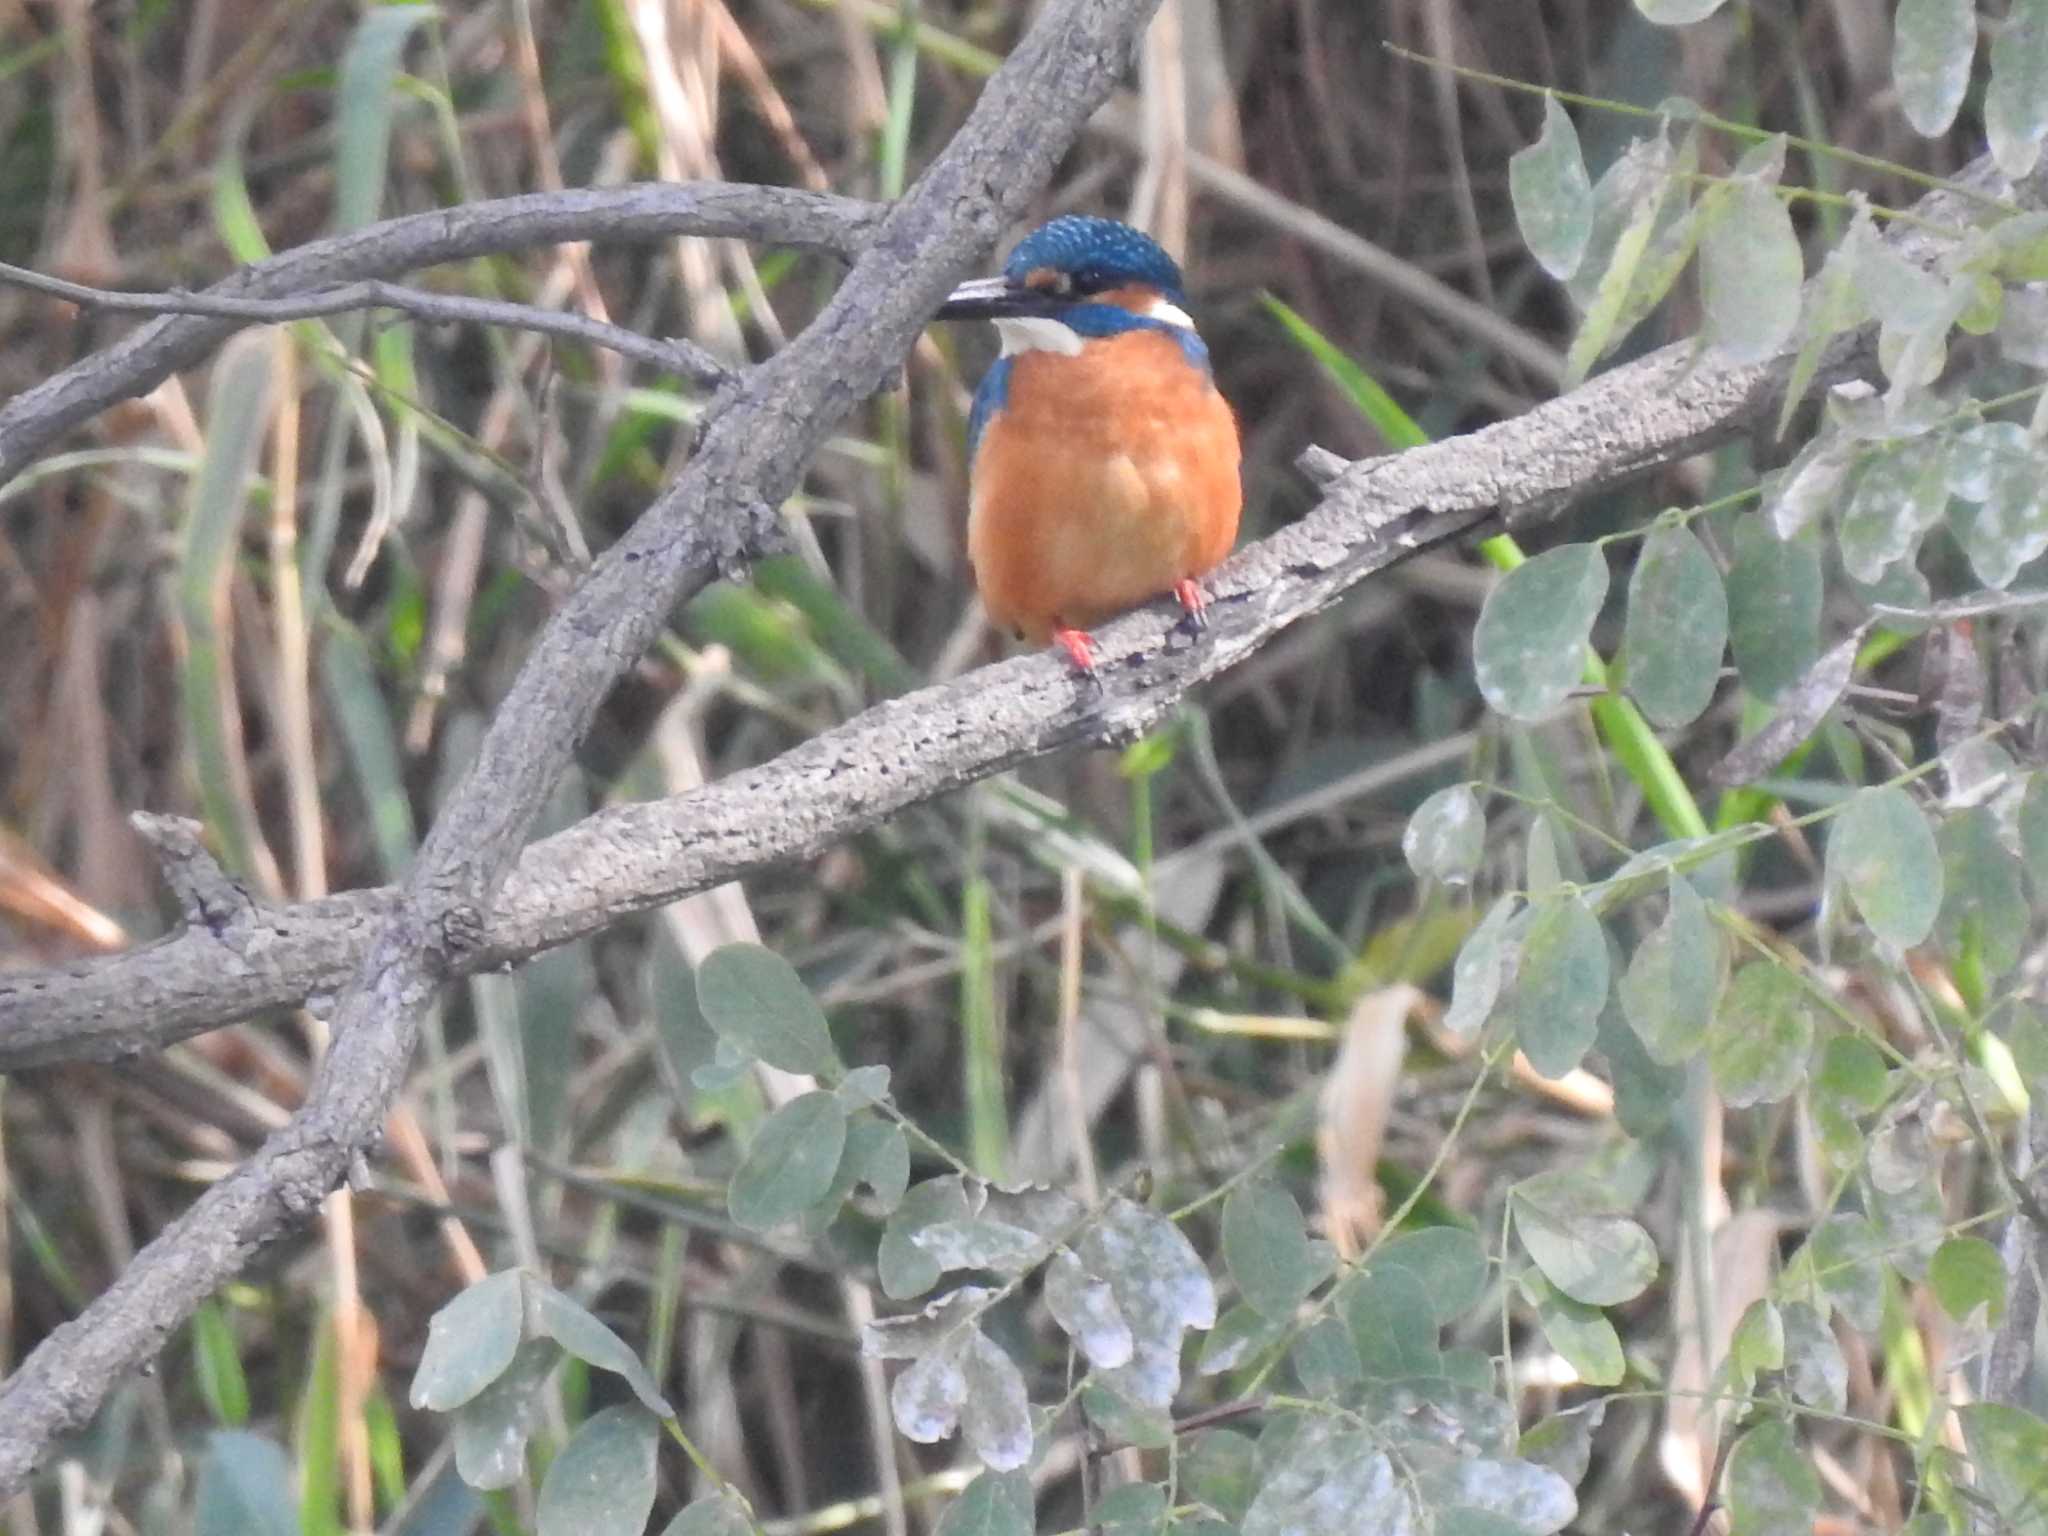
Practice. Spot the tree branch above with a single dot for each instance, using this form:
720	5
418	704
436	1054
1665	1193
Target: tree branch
674	355
1657	410
720	511
139	362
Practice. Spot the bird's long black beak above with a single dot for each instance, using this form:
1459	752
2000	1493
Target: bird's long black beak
996	298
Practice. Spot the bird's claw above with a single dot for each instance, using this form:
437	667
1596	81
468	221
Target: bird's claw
1080	648
1195	602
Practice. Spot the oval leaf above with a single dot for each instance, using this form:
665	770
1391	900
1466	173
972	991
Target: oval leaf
1674	979
1763	1036
1553	195
1750	271
1529	648
1933	42
1966	1274
1883	853
1591	1256
1677	627
470	1342
1560	986
1265	1245
1446	837
2016	100
790	1163
603	1480
1774	598
760	1006
1772	1487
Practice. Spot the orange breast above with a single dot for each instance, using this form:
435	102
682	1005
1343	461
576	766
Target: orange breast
1105	479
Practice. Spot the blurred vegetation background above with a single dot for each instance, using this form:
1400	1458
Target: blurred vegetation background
305	658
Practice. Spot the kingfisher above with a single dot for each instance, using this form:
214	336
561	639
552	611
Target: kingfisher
1104	464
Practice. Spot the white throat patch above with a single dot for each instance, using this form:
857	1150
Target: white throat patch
1038	334
1169	313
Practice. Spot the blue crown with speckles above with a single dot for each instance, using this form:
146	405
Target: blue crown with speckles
1097	254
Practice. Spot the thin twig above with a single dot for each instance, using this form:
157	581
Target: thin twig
672	355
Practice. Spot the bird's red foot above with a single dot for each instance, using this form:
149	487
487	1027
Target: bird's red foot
1194	600
1078	644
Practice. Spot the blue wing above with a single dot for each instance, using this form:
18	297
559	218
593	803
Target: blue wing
990	396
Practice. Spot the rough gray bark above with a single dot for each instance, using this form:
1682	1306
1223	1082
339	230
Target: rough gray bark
721	511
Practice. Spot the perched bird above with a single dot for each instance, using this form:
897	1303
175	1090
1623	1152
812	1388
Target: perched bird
1104	463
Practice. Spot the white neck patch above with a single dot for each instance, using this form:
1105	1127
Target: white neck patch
1166	312
1038	334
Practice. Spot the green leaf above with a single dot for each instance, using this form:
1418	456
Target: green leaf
1750	272
790	1163
1485	962
1677	627
2011	525
556	1316
995	1414
1933	42
1643	233
757	1003
1772	1489
1265	1245
1121	1421
1966	1274
1757	1345
1580	1333
603	1480
1331	1477
1529	649
1847	1257
878	1155
1674	979
491	1429
1560	986
1387	1312
905	1269
1132	1509
2016	100
1552	194
470	1341
2009	1449
1900	493
2033	827
1446	837
994	1504
1325	1358
1394	425
1774	598
1448	1262
1491	1496
218	1367
1882	851
1763	1036
364	92
1084	1305
1219	1468
1588	1253
1983	905
1240	1336
1161	1288
245	1488
716	1514
1814	1367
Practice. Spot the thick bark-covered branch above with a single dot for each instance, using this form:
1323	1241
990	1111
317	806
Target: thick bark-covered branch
1657	410
721	511
628	858
135	365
